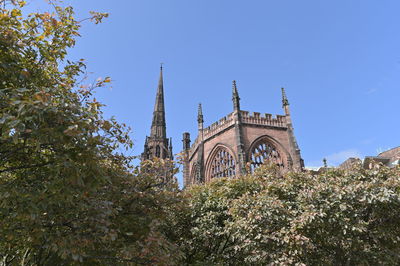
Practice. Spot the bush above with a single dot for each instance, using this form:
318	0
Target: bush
336	218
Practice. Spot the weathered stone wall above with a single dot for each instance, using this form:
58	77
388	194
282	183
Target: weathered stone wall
254	128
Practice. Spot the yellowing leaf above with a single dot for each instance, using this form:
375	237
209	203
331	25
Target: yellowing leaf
15	12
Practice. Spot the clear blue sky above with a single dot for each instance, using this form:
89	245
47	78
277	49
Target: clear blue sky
338	60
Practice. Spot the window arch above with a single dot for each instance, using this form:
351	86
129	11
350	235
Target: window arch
264	151
158	151
193	173
222	164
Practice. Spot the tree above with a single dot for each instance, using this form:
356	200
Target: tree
66	194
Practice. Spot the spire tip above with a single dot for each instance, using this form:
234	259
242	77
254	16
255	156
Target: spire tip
200	114
284	98
235	96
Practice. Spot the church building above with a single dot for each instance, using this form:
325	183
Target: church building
231	147
239	143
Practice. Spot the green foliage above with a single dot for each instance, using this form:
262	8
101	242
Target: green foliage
66	194
142	221
68	197
336	218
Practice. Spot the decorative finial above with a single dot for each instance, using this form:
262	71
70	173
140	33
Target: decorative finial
161	66
235	96
200	110
284	98
200	114
234	88
325	162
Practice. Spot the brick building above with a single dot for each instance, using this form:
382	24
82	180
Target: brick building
240	142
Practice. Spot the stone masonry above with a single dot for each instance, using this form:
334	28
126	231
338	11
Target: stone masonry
240	142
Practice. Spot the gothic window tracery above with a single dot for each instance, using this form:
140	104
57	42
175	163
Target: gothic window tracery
264	151
223	164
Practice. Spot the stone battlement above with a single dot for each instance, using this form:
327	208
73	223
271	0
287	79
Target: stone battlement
253	118
256	118
213	129
218	126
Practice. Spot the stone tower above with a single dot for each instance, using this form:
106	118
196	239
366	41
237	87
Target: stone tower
240	142
157	144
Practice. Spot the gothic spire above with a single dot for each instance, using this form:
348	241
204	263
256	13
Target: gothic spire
235	96
158	127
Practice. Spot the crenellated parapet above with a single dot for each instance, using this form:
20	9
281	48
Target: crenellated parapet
212	130
249	118
218	126
256	118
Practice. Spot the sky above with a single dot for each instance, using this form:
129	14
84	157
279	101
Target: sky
338	60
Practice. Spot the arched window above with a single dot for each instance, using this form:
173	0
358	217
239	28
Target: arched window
264	151
222	164
194	174
158	151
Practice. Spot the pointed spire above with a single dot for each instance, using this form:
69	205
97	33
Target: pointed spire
157	144
234	89
235	96
200	115
285	101
158	128
159	105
